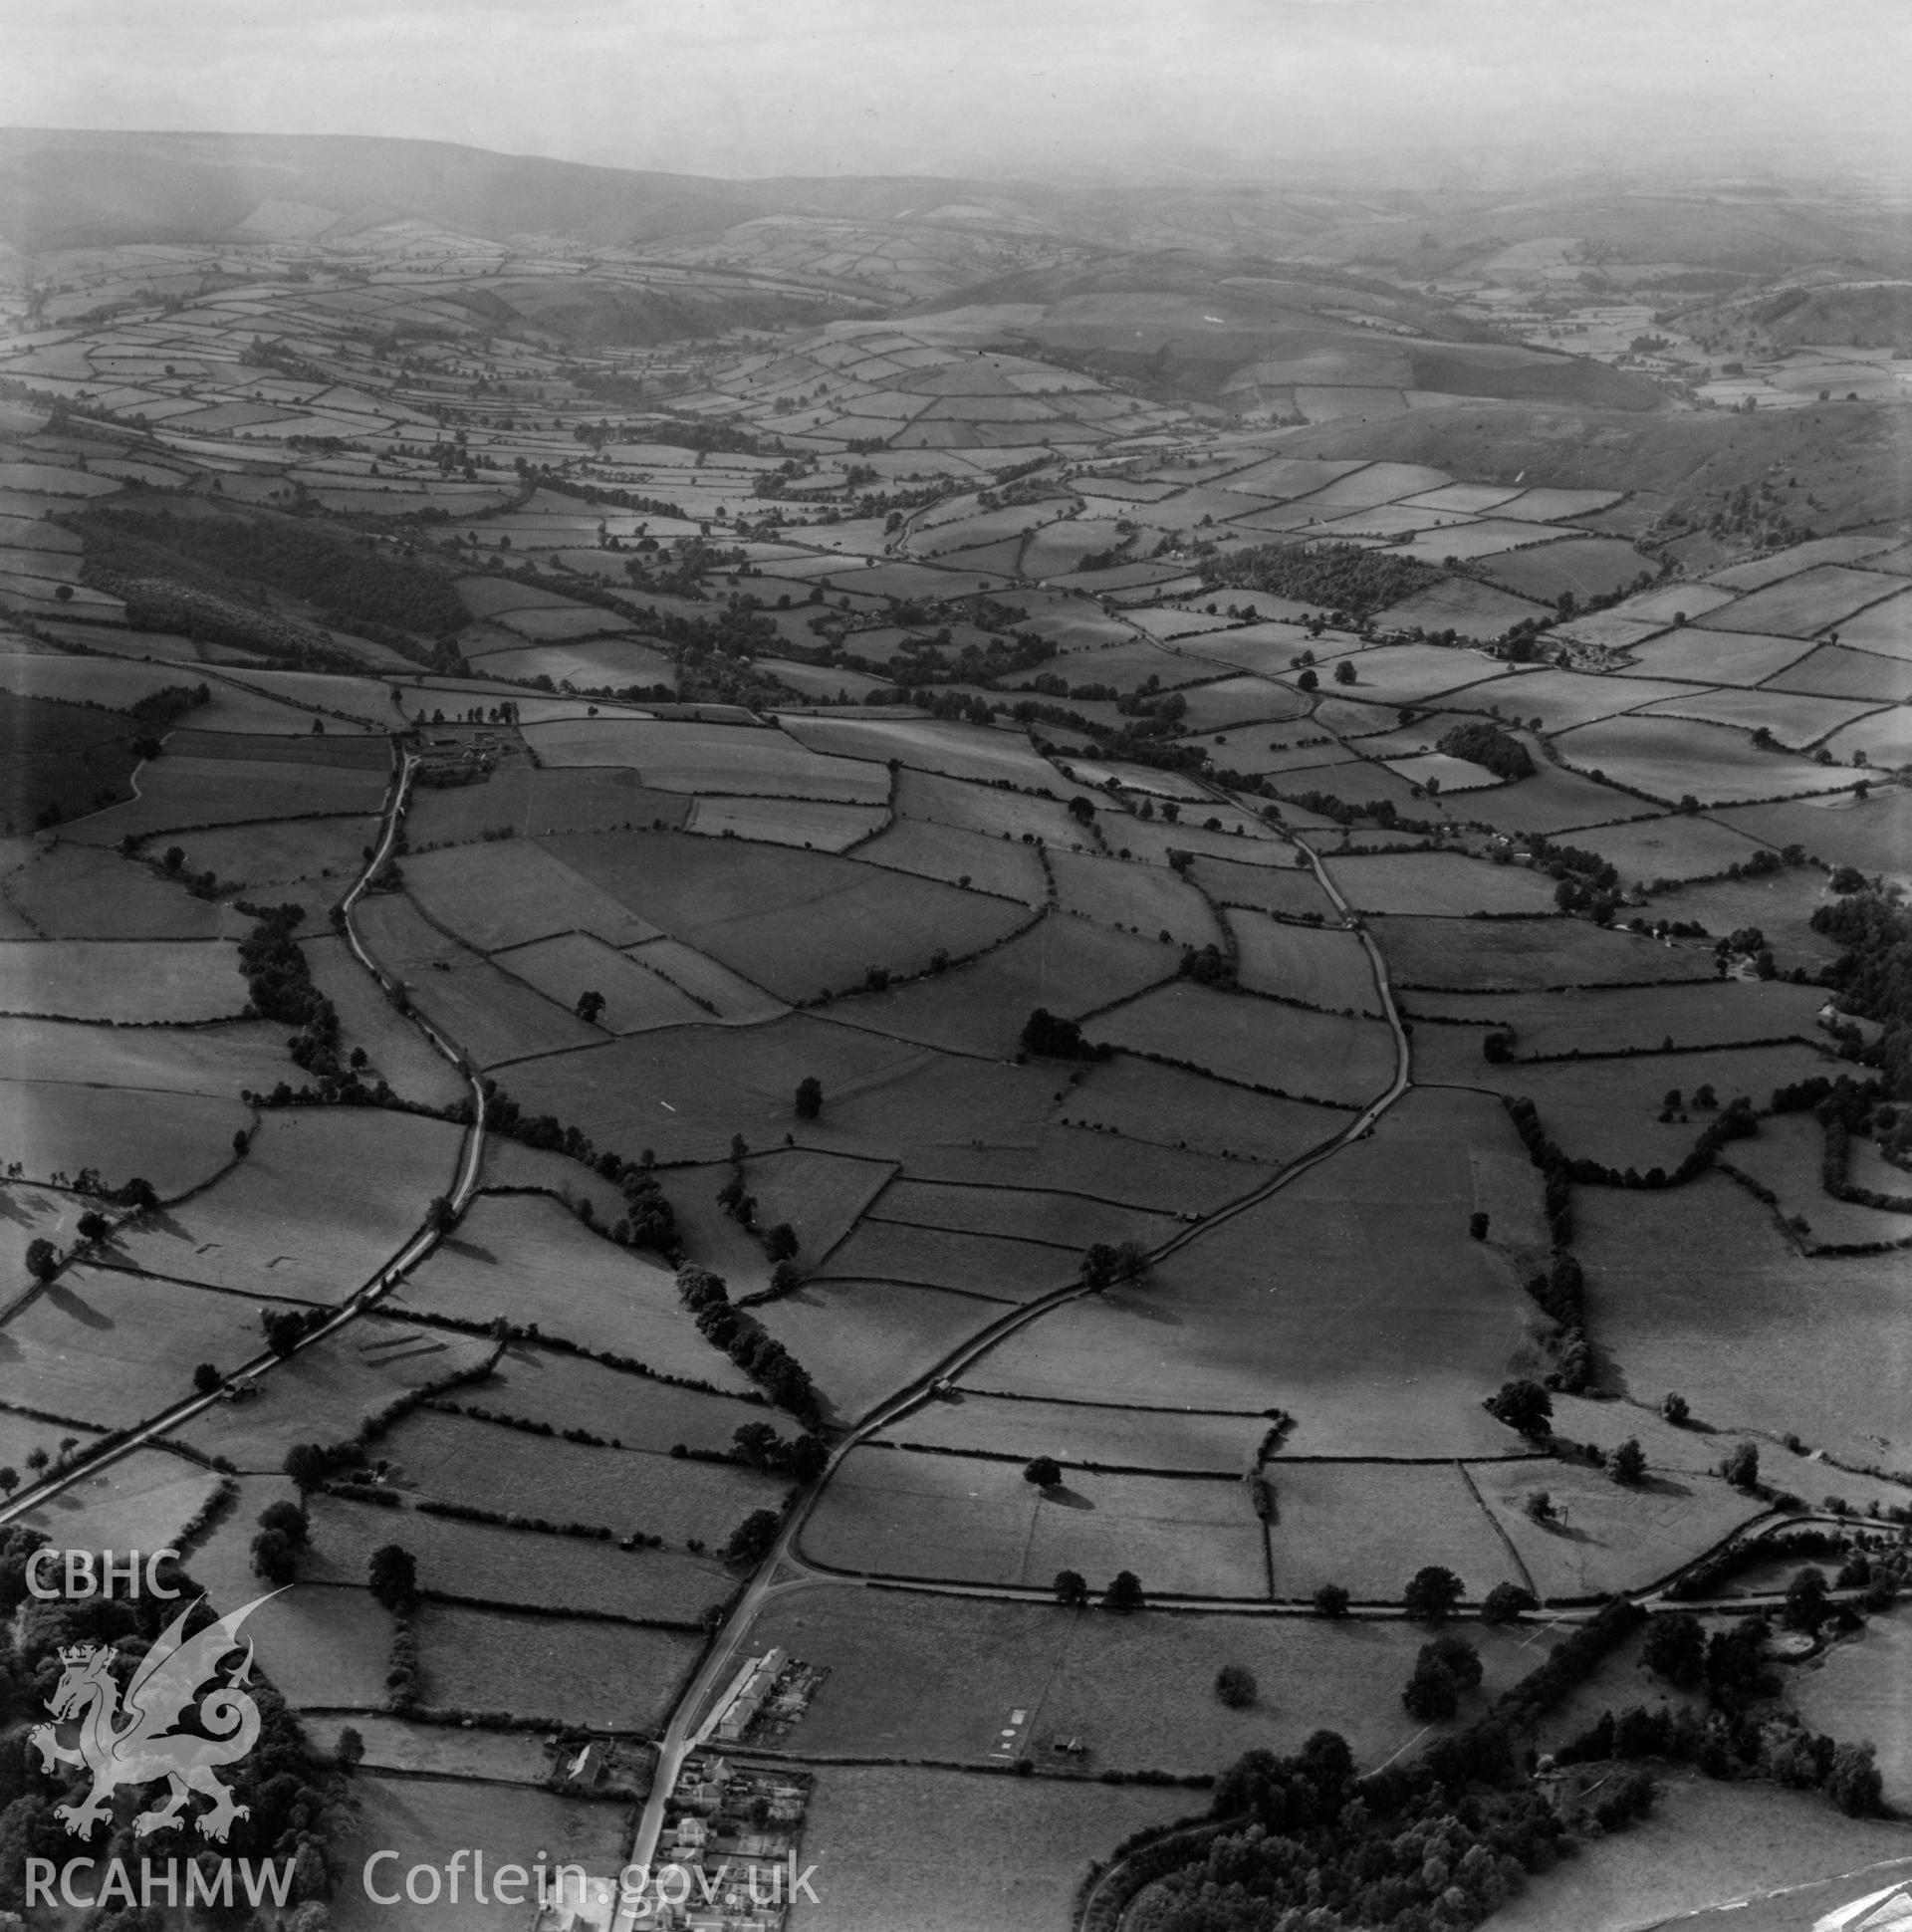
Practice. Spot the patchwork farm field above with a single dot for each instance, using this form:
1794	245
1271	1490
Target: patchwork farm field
844	748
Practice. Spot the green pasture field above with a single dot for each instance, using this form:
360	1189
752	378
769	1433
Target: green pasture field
1354	1298
1712	1013
1874	833
1172	1107
1553	801
534	1261
540	1385
1474	611
1236	840
1437	769
1414	673
1258	648
901	1512
1796	722
589	664
563	969
976	752
1608	1538
1715	657
479	1008
1370	1525
1477	954
787	821
1672	604
1139	899
1608	1109
562	622
1763	571
1786	1155
1562	699
1128	665
975	1264
1173	1440
1885	738
453	1459
1669	760
685	1092
215	1060
278	852
979	807
822	681
862	1340
519	1566
912	1672
111	1346
572	1672
1257	1042
79	893
1439	883
498	1757
142	1502
175	1140
733	759
1803	604
1607	630
1062	1220
734	1000
1859	1690
1749	1856
1885	628
968	1852
329	1387
1832	671
991	865
819	1195
324	1196
757	909
1068	965
418	1818
1696	1290
1675	846
1326	968
1164	1179
1287	889
1588	566
524	801
1239	701
179	794
20	1435
398	1049
124	980
1360	783
1781	905
517	889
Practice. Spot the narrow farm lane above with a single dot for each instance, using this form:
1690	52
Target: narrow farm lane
464	1184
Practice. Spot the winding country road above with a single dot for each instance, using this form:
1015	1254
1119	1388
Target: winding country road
416	1247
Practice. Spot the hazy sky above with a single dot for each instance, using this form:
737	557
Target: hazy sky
741	86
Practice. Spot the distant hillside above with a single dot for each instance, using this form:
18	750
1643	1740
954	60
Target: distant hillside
1868	316
1852	457
72	189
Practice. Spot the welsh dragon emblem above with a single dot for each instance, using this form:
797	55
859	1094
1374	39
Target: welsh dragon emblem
141	1741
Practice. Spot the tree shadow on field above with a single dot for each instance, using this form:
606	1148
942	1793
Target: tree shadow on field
469	1250
69	1304
1066	1498
161	1222
1144	1311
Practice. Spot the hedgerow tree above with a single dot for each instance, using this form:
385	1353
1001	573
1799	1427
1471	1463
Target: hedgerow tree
1045	1472
810	1097
392	1572
1741	1465
1331	1601
1235	1685
589	1006
1124	1594
1675	1648
1432	1594
749	1542
1507	1603
43	1259
1072	1588
1627	1464
1523	1405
